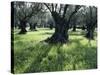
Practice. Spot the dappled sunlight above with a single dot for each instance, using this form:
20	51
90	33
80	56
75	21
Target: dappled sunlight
47	37
32	55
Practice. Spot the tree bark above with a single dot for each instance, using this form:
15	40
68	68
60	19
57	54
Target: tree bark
90	25
61	26
23	27
90	31
33	26
90	34
61	33
74	28
51	26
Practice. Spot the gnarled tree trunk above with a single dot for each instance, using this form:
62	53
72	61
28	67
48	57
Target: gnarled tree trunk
61	33
91	24
23	27
61	25
90	34
33	26
74	28
90	31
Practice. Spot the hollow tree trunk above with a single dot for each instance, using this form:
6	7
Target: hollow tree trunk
23	27
61	33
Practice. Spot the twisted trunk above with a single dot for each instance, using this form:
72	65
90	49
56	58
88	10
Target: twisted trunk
90	34
23	27
90	31
61	33
74	28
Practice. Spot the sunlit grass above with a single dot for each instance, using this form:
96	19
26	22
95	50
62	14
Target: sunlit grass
32	55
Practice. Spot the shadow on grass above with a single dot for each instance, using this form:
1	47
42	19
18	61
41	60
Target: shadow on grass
81	56
76	33
75	58
17	38
29	58
47	60
42	52
44	57
46	33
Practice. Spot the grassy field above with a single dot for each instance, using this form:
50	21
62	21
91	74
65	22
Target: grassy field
31	55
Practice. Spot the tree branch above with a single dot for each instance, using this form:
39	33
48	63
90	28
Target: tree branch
60	8
47	7
52	7
75	11
65	8
56	7
33	9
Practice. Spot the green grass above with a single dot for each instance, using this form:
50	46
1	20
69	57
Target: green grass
31	55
